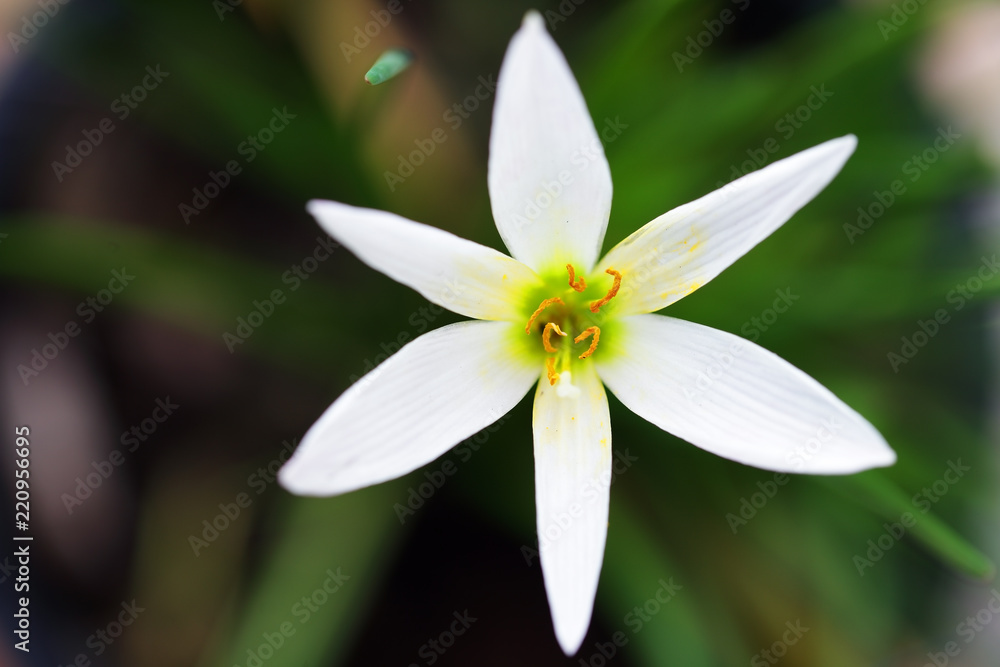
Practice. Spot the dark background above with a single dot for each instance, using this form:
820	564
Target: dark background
694	116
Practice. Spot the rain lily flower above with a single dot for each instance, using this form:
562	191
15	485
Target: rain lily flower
558	317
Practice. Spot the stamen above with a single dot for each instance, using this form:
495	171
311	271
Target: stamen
578	285
547	336
589	331
545	304
550	370
595	306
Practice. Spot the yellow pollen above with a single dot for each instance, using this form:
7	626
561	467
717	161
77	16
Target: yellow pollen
596	306
550	370
578	284
538	311
589	331
547	336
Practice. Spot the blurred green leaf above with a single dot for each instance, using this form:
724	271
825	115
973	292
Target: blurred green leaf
316	584
888	500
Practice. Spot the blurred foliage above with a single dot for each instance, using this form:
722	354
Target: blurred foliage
684	133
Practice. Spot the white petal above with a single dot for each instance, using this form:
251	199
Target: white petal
735	399
550	185
572	477
443	387
462	276
683	249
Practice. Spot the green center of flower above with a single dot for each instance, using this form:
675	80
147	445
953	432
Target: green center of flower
574	318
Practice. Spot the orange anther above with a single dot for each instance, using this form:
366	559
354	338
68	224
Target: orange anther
550	370
595	306
547	336
578	285
545	304
589	331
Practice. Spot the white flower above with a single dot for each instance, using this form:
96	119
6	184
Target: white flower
558	317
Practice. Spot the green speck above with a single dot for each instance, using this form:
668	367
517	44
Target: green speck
388	65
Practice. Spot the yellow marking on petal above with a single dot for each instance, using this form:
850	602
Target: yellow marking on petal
550	370
680	293
589	331
538	311
578	284
596	306
547	336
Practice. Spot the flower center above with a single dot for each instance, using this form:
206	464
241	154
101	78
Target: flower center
569	316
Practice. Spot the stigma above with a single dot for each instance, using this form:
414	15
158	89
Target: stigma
569	315
565	388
